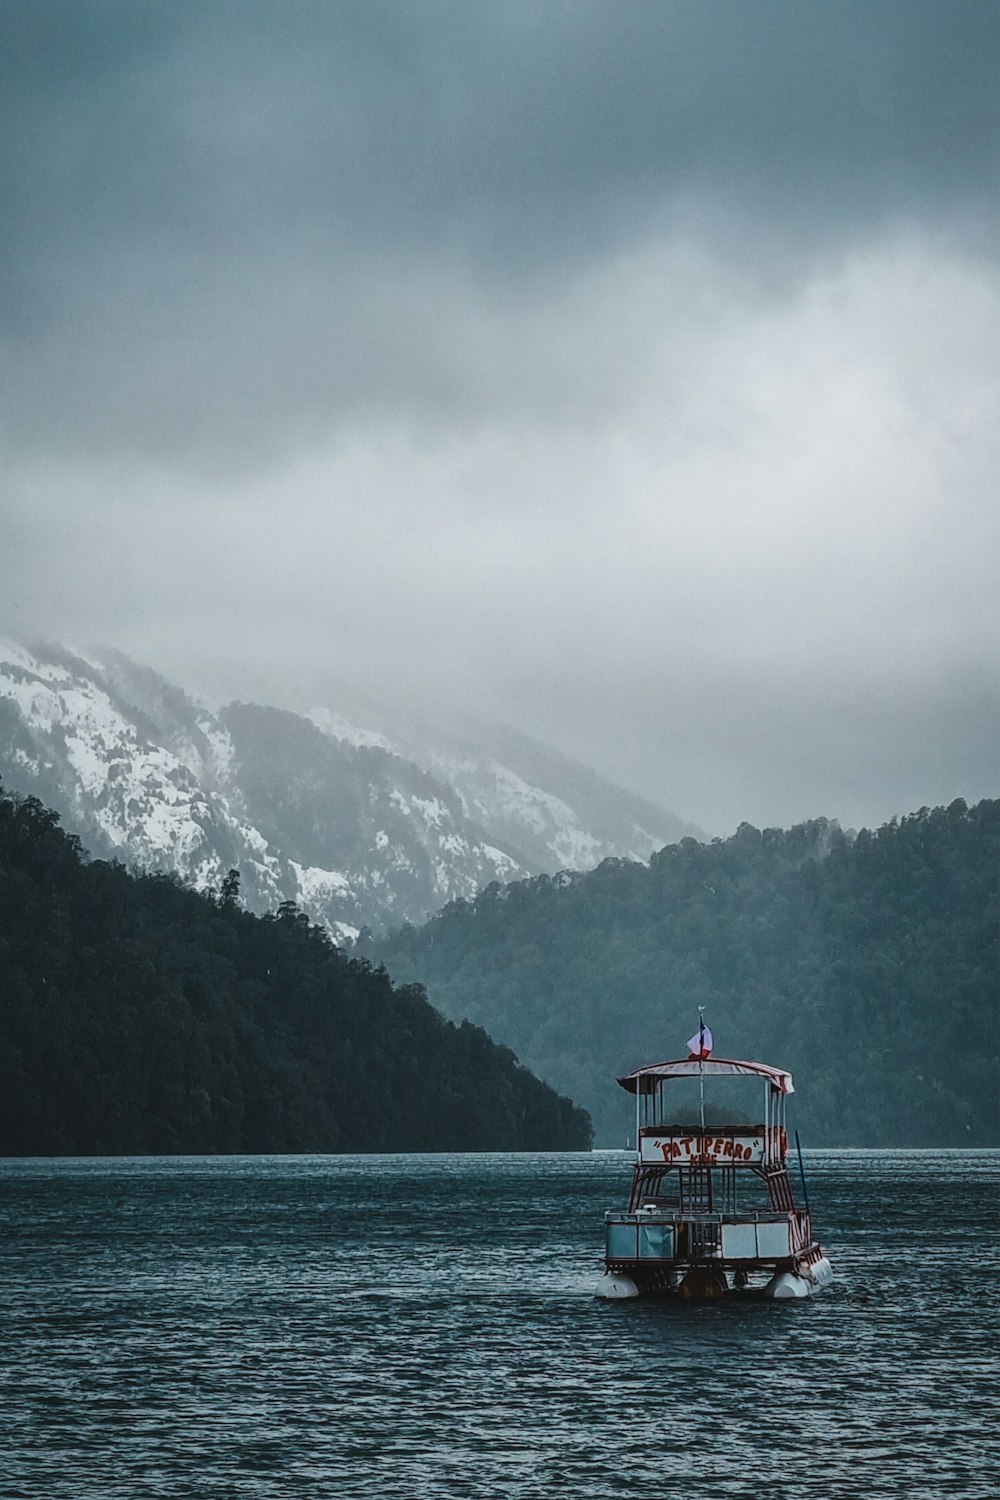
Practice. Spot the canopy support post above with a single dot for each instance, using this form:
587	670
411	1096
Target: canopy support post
802	1172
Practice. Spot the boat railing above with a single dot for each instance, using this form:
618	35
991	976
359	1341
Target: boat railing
763	1235
651	1214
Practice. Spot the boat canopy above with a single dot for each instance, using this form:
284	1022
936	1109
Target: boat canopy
645	1080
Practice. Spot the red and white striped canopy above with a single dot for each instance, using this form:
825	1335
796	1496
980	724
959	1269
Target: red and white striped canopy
645	1080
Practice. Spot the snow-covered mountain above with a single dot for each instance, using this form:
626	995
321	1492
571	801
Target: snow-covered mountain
556	813
360	826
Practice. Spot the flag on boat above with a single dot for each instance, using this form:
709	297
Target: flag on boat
701	1043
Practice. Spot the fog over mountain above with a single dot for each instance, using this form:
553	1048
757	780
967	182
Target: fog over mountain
358	828
626	373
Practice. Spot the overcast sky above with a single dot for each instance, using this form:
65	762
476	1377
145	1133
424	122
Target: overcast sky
627	369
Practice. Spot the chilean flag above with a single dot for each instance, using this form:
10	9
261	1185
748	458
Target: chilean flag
700	1045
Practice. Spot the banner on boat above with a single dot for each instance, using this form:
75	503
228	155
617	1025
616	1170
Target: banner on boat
706	1150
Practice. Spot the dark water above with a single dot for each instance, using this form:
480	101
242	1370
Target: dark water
423	1327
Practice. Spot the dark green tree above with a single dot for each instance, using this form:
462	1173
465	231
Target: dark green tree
140	1016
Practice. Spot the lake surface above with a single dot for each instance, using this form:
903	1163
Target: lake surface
423	1326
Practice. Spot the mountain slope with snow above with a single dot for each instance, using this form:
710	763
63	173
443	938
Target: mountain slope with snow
359	827
557	813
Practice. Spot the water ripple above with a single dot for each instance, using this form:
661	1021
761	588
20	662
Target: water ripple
423	1327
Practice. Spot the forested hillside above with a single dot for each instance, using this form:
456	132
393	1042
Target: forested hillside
140	1016
867	965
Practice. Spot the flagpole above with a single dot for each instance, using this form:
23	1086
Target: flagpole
701	1064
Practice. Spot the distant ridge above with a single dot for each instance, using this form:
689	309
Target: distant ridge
360	826
867	965
557	813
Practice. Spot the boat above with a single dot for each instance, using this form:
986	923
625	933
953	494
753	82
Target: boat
712	1210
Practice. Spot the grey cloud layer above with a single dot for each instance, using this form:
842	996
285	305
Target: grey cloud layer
627	367
235	225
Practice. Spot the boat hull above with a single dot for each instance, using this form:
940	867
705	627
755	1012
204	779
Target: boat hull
614	1288
707	1281
785	1285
